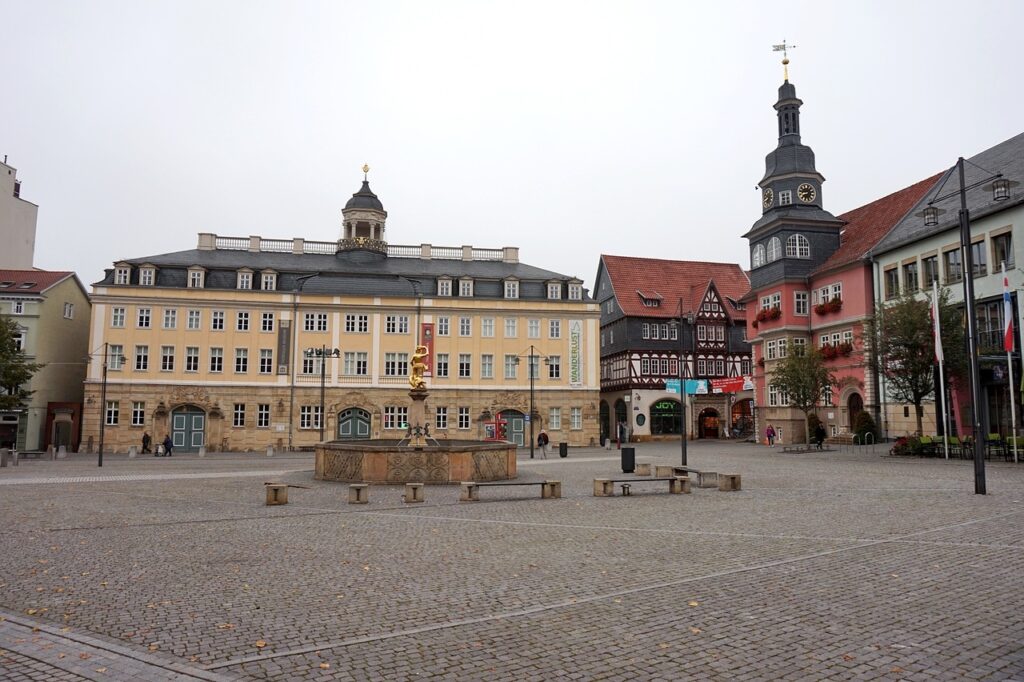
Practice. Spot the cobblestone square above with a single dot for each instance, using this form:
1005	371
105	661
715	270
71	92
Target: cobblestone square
835	565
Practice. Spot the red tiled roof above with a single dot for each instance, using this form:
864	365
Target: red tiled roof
40	280
866	225
671	280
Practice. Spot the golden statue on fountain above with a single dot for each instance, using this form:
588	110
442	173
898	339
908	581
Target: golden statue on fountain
416	369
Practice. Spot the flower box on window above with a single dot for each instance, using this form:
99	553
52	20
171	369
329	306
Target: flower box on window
829	352
845	348
769	314
754	324
834	305
760	362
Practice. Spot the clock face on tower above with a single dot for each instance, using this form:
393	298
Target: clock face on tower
767	197
805	192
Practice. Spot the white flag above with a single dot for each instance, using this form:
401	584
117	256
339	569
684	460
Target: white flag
935	322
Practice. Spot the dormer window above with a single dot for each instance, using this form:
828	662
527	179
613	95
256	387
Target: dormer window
511	288
121	275
575	292
554	291
444	287
465	287
650	299
785	197
147	276
195	278
269	281
244	279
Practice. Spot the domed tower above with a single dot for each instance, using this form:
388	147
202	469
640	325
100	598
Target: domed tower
363	219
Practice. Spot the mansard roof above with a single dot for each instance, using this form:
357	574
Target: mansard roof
672	280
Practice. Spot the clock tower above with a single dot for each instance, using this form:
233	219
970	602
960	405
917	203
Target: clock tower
795	234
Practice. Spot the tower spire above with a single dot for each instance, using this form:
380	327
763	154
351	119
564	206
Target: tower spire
784	49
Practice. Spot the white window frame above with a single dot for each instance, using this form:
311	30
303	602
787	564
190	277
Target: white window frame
555	418
147	277
113	412
238	416
465	365
554	329
191	359
217	320
533	328
797	246
69	311
122	275
141	358
465	287
266	322
116	361
444	287
263	416
554	291
487	366
357	323
444	326
216	360
268	281
266	361
242	321
575	418
801	304
511	288
166	358
243	280
441	418
464	421
785	197
442	366
575	292
144	318
487	327
138	413
241	361
194	319
170	318
511	327
195	279
774	250
117	317
465	326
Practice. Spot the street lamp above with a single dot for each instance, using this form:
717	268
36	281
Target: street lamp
682	390
103	403
533	375
1000	192
323	352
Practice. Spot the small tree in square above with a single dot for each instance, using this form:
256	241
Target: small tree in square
905	347
803	377
15	369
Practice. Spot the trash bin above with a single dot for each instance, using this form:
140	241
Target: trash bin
628	460
563	449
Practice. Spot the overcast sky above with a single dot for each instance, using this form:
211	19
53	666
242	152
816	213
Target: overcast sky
569	129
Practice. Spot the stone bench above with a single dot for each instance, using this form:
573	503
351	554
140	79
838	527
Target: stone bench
705	479
729	483
471	489
605	487
359	493
277	493
413	493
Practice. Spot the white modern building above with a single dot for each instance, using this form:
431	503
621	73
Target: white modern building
17	222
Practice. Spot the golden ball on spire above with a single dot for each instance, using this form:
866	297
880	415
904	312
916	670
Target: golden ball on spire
366	168
785	61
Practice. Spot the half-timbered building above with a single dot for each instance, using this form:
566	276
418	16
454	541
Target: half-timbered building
655	312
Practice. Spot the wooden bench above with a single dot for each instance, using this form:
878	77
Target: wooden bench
471	489
605	487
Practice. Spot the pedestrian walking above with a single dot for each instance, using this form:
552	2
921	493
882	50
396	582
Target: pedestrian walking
168	446
819	435
147	442
542	443
770	434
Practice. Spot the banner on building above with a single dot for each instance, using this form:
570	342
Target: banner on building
730	385
696	386
427	339
575	353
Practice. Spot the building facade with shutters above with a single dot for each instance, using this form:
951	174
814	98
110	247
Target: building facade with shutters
218	346
663	321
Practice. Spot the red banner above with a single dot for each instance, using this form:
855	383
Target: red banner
730	385
427	339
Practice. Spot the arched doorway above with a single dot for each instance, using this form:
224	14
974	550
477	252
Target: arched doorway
188	428
708	423
854	405
353	424
666	417
606	426
515	426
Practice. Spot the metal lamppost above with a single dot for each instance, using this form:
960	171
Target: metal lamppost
323	352
682	389
1000	192
103	404
533	375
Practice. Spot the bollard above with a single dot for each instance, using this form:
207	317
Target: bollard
202	451
413	493
132	452
270	451
643	469
359	493
51	454
62	452
4	452
14	458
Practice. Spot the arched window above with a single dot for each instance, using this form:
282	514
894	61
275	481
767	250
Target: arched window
774	249
757	257
797	246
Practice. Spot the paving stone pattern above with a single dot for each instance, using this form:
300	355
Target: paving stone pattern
840	565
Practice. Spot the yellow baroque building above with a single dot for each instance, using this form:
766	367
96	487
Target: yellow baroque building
244	343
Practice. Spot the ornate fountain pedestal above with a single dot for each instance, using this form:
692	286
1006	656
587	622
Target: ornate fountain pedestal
379	461
419	458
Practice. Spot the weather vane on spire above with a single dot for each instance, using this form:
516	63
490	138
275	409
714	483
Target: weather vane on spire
366	169
783	48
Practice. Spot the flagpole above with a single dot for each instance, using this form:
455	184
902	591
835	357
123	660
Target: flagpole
1008	344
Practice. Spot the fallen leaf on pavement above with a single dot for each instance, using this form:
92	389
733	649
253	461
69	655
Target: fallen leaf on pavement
693	603
260	643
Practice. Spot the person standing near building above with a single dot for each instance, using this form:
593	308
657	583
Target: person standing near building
819	435
542	443
147	441
168	445
770	434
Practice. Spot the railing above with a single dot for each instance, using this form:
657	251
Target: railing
233	243
446	252
276	245
330	248
488	254
398	251
323	248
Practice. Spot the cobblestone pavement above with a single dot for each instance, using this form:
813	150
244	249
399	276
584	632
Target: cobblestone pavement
836	565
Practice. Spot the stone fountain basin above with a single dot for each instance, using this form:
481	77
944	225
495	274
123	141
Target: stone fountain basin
385	461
